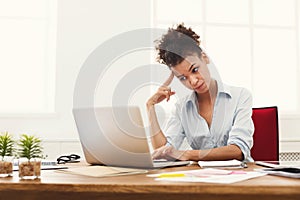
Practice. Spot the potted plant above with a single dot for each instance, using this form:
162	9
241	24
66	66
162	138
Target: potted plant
6	154
30	153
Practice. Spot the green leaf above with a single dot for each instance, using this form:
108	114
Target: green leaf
6	144
30	147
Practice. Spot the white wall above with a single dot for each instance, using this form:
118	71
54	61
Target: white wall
290	125
289	137
82	26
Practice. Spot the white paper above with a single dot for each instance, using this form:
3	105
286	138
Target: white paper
228	163
210	175
102	171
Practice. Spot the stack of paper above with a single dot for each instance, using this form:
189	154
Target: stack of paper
102	171
220	164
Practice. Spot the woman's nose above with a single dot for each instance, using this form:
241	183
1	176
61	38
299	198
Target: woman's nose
193	80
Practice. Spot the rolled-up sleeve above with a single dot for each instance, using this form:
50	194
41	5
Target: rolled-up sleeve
241	133
173	129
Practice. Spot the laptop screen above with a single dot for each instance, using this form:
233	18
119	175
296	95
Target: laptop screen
113	136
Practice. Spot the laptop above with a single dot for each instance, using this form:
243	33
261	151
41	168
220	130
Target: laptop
116	136
276	164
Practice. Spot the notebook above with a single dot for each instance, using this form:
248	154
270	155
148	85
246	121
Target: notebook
102	171
45	165
222	164
116	136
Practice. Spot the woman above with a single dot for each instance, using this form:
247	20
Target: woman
215	118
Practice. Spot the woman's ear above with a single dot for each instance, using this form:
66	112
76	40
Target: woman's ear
205	57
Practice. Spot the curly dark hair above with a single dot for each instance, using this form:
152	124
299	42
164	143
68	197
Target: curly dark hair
176	45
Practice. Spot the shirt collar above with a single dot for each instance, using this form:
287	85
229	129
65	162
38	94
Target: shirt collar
222	89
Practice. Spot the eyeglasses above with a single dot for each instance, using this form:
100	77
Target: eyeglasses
68	159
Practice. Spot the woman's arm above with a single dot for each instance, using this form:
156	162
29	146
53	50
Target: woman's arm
241	133
221	153
158	139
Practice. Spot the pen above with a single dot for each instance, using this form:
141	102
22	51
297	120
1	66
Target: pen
244	165
170	175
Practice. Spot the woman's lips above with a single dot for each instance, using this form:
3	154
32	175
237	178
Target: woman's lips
199	87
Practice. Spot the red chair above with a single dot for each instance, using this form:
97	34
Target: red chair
266	145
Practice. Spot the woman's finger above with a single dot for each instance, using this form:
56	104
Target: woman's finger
160	152
167	150
164	92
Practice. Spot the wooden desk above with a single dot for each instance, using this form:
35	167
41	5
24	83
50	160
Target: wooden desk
54	185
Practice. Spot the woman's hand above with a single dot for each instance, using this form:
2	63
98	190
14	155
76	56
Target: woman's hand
163	92
169	153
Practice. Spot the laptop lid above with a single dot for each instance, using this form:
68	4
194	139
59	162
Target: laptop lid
116	136
113	136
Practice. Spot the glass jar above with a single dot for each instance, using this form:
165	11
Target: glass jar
29	169
6	166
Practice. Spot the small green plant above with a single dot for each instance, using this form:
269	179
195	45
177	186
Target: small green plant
6	145
30	147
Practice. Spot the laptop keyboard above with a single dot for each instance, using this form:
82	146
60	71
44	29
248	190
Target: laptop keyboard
165	163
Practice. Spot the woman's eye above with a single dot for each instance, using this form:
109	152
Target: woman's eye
195	69
182	78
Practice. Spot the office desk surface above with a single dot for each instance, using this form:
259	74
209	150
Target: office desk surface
54	185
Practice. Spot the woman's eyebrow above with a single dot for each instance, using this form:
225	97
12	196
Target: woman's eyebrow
189	70
192	66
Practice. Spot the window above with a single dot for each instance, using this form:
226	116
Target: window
253	46
27	64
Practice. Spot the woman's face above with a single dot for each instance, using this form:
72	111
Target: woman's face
193	73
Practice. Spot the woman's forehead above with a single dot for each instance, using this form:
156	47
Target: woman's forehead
189	60
186	63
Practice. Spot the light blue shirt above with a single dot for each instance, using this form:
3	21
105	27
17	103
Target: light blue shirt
231	121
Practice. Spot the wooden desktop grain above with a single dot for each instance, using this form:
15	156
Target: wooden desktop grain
54	185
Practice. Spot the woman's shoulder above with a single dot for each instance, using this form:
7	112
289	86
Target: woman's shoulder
240	95
238	90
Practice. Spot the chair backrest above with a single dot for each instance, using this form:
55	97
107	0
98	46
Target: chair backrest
266	144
